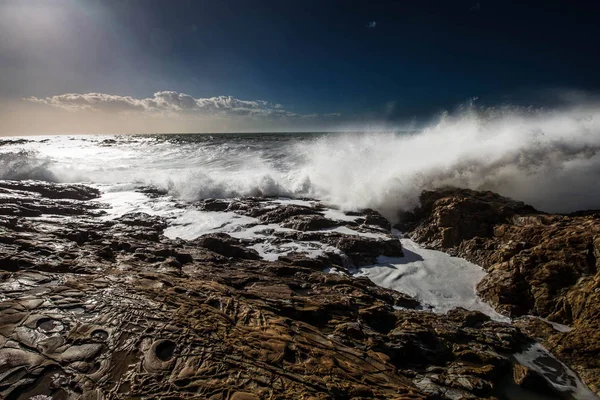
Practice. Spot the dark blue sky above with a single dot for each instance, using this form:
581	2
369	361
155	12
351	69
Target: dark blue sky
310	56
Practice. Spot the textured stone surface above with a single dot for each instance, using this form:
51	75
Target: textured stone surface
94	309
540	264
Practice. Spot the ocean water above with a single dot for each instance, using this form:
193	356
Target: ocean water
549	159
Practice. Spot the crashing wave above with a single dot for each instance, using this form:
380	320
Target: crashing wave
548	158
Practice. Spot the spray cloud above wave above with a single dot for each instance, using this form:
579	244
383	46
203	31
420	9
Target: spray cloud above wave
548	158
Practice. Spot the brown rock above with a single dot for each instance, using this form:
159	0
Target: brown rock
226	245
540	264
309	223
160	318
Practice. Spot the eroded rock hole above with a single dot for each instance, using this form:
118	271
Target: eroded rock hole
99	334
164	350
49	325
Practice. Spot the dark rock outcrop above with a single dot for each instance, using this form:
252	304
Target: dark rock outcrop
225	245
447	217
53	191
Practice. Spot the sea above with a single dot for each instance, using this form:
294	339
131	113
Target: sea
547	158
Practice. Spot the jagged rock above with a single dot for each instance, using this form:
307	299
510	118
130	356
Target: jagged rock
54	190
540	264
283	213
447	217
309	223
351	242
365	250
139	219
7	142
316	263
226	245
152	191
33	199
213	205
373	218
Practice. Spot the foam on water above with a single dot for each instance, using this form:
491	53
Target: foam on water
558	374
435	279
338	215
192	224
126	201
344	230
440	282
295	202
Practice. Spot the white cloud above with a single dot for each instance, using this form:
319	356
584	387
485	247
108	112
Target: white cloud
169	102
372	24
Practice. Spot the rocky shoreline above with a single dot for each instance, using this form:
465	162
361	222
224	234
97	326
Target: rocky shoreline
96	308
538	264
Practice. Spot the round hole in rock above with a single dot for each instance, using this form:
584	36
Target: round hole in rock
49	325
99	334
164	350
94	368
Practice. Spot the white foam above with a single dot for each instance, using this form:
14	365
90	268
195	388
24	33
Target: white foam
438	281
270	251
249	232
267	251
558	374
189	224
312	249
192	224
338	215
555	325
295	202
548	158
344	230
334	270
123	202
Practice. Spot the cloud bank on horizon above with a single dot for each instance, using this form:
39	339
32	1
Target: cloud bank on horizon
163	112
168	102
90	66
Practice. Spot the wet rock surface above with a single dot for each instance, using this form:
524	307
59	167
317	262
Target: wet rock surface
95	308
538	264
54	191
356	240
